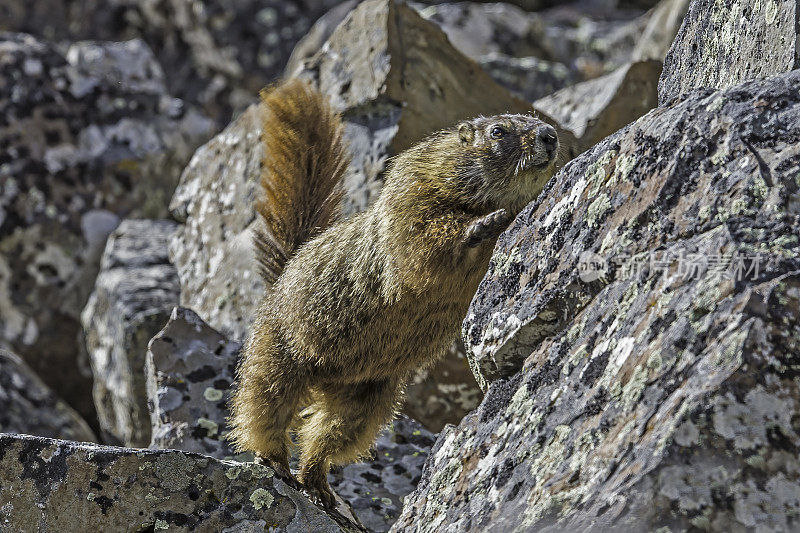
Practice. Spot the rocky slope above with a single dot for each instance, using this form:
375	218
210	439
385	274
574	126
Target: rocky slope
635	335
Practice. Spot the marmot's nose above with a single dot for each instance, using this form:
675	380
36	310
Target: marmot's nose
548	136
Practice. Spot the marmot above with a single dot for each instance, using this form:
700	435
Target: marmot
351	311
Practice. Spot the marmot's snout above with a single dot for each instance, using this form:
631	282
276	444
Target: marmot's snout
540	146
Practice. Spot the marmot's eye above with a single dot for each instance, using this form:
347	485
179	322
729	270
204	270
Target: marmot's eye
497	132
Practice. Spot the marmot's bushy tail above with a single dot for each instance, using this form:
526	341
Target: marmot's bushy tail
304	159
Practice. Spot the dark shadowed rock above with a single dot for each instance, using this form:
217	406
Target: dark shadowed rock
597	108
656	389
722	44
529	78
51	485
85	137
29	406
190	370
134	294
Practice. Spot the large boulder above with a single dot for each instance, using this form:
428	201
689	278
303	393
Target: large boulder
640	326
722	44
86	137
190	371
29	406
134	294
52	485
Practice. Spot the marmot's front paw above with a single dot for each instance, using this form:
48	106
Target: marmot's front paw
487	227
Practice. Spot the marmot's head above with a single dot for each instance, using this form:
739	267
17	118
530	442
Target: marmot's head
507	158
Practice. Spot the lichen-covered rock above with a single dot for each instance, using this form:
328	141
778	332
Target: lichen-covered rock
52	485
597	108
375	487
134	294
27	405
722	44
85	138
190	368
651	299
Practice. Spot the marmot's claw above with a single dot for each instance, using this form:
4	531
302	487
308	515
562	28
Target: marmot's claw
324	493
281	468
487	227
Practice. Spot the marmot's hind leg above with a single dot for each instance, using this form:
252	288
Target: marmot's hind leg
265	405
341	428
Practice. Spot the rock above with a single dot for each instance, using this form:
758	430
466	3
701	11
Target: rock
51	485
212	249
317	35
190	368
134	294
375	487
587	42
86	137
529	78
663	23
217	54
384	60
597	108
651	301
722	44
29	406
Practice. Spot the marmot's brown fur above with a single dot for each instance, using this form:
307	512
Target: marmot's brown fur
352	311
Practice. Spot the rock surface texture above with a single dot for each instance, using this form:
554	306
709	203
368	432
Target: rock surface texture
29	406
639	326
134	294
51	485
86	137
722	44
190	370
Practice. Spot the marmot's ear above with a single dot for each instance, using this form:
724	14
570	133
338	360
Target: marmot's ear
466	132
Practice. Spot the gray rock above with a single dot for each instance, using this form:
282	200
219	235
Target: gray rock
663	23
529	78
656	386
86	138
190	368
212	249
375	487
51	485
722	44
597	108
134	294
29	406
